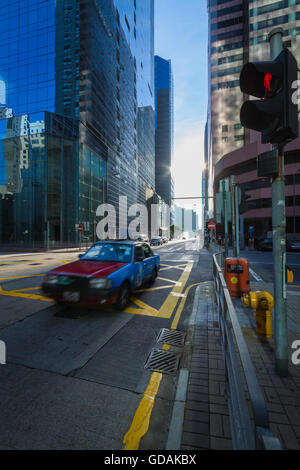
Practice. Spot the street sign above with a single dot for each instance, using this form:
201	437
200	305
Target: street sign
211	225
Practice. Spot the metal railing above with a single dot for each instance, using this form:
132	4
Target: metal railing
245	433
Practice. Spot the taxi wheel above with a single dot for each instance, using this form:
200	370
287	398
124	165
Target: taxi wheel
124	296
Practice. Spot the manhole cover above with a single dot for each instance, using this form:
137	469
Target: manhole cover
162	361
173	337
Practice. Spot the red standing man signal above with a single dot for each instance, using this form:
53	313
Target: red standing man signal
267	80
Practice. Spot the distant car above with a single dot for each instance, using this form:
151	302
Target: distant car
156	241
266	244
142	238
294	245
183	238
165	239
105	275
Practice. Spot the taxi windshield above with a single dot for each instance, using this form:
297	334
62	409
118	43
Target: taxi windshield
109	252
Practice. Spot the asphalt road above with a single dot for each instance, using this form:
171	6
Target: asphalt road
76	378
261	264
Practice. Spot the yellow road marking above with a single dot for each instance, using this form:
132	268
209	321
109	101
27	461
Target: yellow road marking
181	305
14	293
167	280
141	420
20	277
13	268
155	288
170	303
26	288
172	267
144	309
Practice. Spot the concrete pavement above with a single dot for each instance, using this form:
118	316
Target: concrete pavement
205	422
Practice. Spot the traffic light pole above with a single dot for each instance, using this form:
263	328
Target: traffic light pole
237	236
225	219
279	241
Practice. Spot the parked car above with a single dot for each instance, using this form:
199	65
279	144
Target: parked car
105	275
294	245
165	239
157	241
266	244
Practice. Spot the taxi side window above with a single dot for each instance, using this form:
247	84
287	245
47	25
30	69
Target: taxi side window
139	253
147	251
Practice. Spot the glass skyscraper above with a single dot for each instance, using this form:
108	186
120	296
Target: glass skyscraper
239	33
73	77
164	128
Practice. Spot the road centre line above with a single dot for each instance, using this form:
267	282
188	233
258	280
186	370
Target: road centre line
256	276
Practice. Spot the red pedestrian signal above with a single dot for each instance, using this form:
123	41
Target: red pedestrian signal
267	80
274	114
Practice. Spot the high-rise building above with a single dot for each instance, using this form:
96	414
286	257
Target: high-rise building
74	75
238	34
164	129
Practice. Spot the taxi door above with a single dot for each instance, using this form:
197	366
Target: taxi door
139	258
149	261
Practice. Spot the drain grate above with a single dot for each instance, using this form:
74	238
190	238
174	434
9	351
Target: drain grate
173	337
162	361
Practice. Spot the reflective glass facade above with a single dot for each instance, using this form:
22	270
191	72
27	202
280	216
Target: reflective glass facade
164	116
37	183
90	63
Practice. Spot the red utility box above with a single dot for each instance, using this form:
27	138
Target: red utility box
236	273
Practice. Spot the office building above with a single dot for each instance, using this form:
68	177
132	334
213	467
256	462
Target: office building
164	130
238	34
73	76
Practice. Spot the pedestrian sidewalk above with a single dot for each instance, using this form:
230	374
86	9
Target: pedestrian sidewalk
206	418
206	422
282	395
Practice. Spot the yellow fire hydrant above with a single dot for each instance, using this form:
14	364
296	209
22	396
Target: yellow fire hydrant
263	302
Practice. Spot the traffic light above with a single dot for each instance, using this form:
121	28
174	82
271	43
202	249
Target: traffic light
274	114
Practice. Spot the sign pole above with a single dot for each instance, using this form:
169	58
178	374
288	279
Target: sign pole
237	228
225	219
279	241
233	222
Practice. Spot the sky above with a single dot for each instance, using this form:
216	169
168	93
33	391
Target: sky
181	35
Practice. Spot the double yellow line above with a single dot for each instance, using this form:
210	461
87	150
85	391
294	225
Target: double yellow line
141	420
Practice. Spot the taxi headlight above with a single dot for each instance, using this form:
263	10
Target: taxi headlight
99	283
51	279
